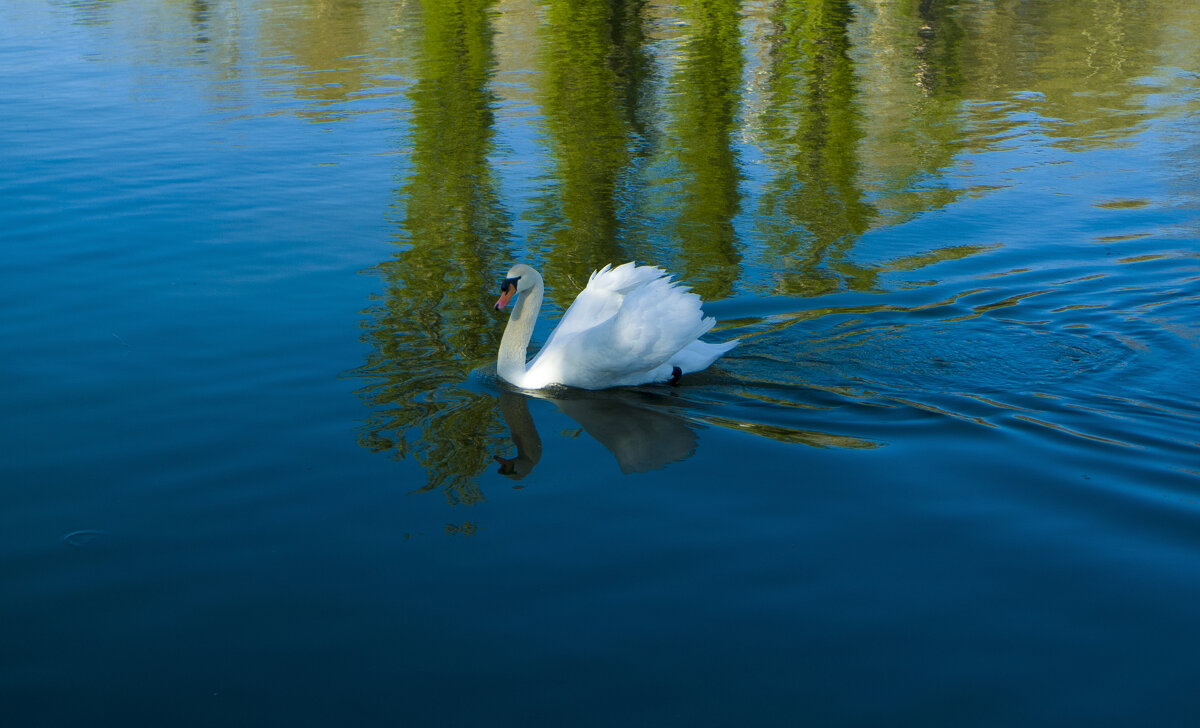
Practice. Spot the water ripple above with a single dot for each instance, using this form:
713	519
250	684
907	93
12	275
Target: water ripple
1067	351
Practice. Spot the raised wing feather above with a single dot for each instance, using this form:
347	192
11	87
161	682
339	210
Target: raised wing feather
655	321
602	298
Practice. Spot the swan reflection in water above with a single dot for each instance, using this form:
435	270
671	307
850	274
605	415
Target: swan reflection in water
639	437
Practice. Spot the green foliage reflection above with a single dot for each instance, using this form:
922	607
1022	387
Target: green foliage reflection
817	205
911	72
592	64
704	109
433	326
814	209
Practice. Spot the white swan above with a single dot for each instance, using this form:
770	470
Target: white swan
631	325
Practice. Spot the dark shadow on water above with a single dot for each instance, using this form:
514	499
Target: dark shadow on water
641	437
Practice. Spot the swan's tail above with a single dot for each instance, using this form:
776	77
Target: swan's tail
700	354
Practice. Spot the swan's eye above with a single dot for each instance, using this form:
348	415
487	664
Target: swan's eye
509	282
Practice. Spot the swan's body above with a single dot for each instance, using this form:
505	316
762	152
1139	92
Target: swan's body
631	325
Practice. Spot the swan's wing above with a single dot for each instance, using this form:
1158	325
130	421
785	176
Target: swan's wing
602	298
655	320
627	322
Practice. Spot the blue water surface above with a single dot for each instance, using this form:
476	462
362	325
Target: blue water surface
950	476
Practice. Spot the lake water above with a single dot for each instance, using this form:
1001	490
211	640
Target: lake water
951	476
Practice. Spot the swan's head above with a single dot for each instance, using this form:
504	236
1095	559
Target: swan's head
520	278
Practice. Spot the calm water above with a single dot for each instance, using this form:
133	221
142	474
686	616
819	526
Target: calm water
950	478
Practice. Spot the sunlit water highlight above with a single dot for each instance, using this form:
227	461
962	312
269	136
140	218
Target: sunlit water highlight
252	419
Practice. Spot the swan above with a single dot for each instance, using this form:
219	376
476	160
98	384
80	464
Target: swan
631	325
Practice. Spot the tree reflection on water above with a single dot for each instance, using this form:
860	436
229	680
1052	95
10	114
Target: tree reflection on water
592	61
703	108
814	209
430	327
643	116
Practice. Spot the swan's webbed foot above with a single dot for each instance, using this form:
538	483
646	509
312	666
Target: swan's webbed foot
676	374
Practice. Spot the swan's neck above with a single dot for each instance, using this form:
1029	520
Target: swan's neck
510	361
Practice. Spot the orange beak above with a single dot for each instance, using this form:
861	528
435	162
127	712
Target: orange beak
506	294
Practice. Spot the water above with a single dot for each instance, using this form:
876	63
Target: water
950	477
